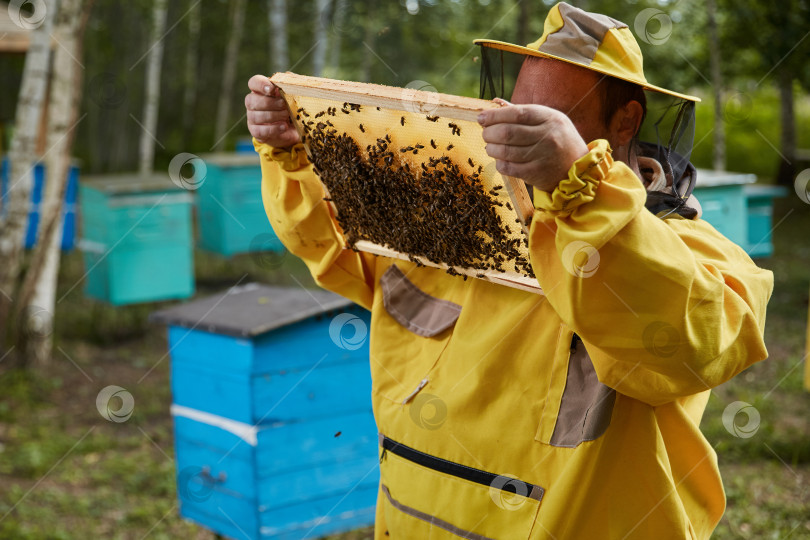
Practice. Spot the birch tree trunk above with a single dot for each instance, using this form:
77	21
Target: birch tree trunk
229	75
320	37
189	78
719	154
279	54
22	157
37	301
152	101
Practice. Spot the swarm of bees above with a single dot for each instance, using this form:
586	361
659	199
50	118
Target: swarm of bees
438	211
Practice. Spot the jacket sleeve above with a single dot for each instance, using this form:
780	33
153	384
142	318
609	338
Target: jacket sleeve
666	307
293	201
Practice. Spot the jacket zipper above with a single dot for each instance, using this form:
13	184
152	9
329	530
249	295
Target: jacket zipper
511	485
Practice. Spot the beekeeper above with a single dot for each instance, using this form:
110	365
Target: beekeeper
506	414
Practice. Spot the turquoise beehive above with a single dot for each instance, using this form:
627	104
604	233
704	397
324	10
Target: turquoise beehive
230	212
136	239
741	211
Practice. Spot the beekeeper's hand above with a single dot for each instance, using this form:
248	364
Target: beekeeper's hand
267	115
534	143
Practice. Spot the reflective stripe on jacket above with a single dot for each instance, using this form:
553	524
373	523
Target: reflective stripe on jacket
506	414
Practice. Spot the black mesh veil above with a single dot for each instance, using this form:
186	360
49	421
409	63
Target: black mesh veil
499	71
667	134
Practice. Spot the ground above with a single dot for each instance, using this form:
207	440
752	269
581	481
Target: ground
67	473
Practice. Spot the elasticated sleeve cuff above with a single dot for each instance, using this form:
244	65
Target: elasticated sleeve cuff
290	159
580	186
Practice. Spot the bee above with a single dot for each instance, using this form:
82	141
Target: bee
433	144
432	118
470	161
402	120
450	146
362	128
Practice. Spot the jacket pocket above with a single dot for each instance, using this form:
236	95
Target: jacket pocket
414	309
418	326
430	497
578	407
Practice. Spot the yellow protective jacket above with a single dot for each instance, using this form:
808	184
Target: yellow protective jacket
506	414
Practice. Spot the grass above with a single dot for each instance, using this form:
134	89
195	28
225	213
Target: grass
67	473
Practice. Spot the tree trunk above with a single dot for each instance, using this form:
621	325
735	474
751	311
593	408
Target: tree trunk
787	163
338	22
719	154
370	36
38	293
229	75
22	157
278	35
320	37
523	23
190	76
152	101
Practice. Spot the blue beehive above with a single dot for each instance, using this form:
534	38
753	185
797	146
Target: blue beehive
68	210
760	218
274	433
137	239
722	197
230	212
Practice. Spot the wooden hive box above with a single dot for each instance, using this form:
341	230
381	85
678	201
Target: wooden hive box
274	433
68	209
406	175
722	198
137	239
759	199
230	213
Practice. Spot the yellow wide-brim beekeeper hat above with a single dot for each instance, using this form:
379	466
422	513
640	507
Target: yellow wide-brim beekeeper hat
590	40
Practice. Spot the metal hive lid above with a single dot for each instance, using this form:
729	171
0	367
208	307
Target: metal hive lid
250	310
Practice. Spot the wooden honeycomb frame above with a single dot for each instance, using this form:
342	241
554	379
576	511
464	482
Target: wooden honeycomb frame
298	89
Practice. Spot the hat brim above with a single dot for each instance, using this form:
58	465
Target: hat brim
510	47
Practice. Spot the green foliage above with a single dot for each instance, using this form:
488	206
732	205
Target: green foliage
751	115
383	42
